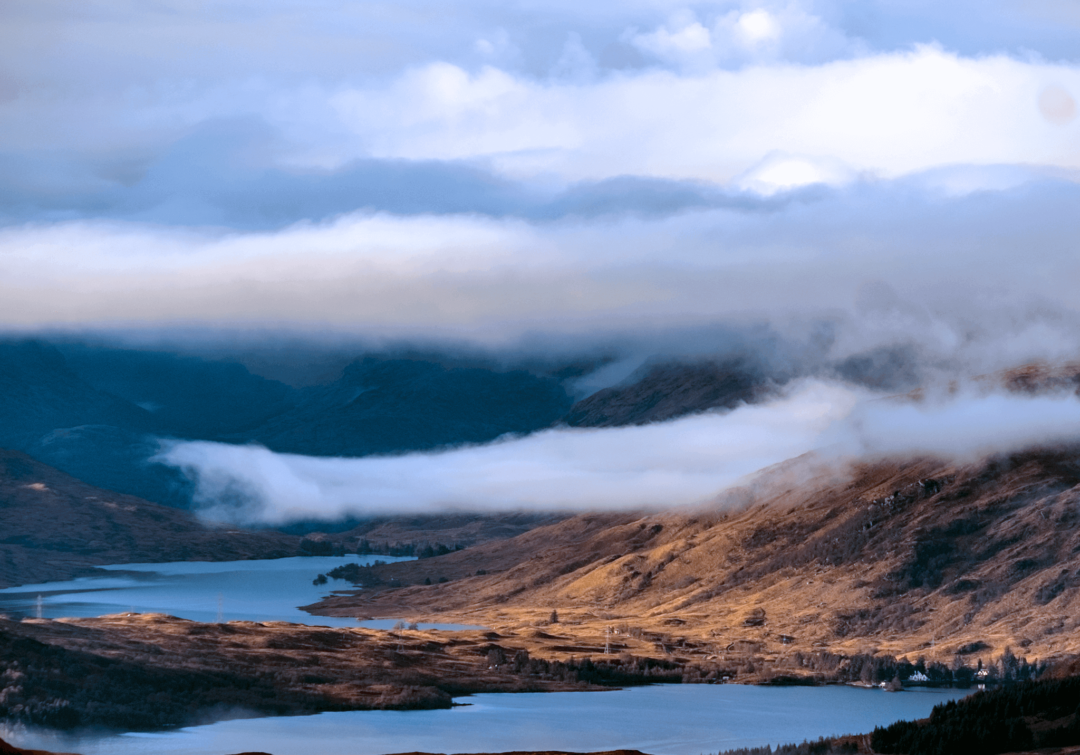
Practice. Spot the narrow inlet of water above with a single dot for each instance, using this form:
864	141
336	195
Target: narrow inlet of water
261	590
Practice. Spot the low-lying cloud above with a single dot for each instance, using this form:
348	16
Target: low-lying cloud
682	462
545	171
985	278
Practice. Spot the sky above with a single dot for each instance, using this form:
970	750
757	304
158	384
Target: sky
553	177
491	172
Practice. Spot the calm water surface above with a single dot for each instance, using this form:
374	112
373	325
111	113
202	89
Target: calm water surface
269	590
662	720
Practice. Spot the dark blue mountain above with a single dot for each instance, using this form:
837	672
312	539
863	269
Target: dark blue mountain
388	405
99	412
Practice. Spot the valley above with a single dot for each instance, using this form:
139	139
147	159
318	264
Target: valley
860	579
813	572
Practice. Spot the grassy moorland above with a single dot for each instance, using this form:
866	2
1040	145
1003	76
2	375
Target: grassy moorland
953	563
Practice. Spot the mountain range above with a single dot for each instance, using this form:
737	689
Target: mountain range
924	552
99	412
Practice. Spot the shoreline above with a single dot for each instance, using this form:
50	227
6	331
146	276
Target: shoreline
282	669
689	718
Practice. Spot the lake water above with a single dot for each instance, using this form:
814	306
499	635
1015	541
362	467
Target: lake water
269	590
661	720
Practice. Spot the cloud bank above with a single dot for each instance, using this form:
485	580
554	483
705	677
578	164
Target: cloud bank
260	114
966	283
682	462
508	173
502	142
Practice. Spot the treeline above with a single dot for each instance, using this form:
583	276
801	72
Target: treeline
313	547
875	669
418	549
624	669
368	575
366	548
617	672
352	572
1024	716
820	747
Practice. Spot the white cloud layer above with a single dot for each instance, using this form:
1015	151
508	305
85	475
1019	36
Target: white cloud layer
790	32
682	462
972	281
494	172
884	115
93	98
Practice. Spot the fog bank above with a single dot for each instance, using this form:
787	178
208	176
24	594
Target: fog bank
686	461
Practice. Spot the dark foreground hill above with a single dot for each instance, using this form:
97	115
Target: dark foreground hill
1026	716
53	526
7	749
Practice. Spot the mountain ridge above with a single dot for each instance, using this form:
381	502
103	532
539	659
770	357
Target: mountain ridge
98	413
916	557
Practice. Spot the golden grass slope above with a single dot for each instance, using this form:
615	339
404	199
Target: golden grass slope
911	558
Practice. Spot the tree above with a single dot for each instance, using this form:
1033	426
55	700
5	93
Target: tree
1009	664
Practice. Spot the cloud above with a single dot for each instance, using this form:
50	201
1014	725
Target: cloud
134	138
682	462
750	34
624	468
213	177
495	178
259	115
977	281
887	114
965	426
780	173
870	187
